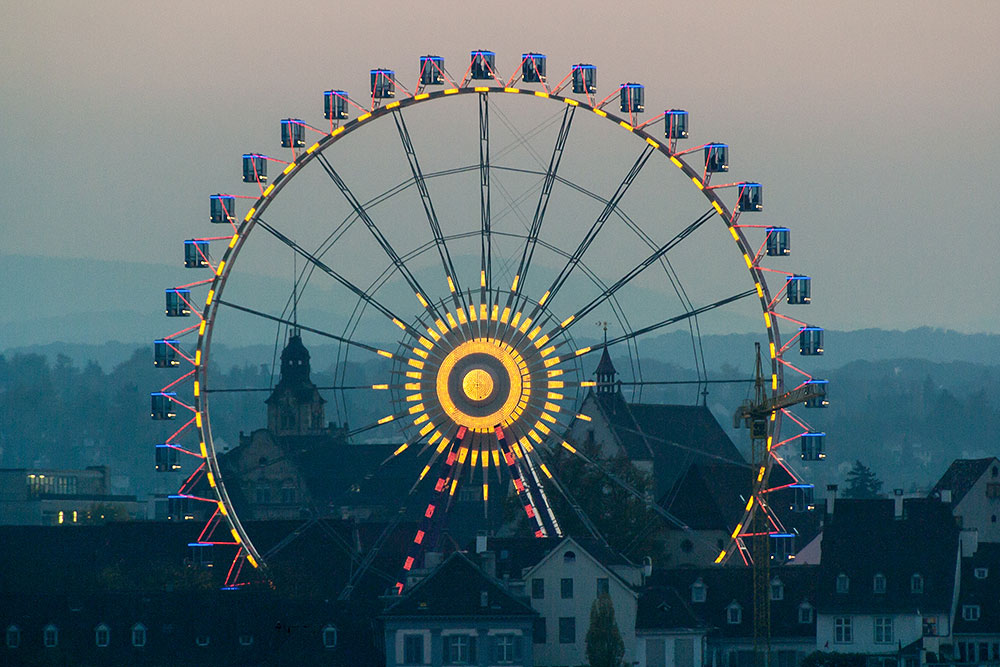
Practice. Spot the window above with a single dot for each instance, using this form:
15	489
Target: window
930	626
50	636
883	629
843	583
777	589
459	649
970	612
566	589
263	493
102	635
13	636
993	490
981	572
843	631
413	649
569	557
916	584
805	613
537	589
138	635
202	640
539	635
329	636
288	494
878	583
246	640
603	586
567	630
698	591
734	613
506	649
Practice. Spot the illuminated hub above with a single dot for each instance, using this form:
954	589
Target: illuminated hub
477	385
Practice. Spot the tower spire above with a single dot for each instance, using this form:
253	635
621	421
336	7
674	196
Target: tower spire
605	368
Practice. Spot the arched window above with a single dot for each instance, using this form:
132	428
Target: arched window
138	635
777	589
102	635
13	636
329	636
246	640
569	557
50	636
878	583
916	583
843	583
734	613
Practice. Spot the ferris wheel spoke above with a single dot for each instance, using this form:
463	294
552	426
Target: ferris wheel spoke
486	263
658	254
609	208
543	201
411	156
292	323
362	213
319	264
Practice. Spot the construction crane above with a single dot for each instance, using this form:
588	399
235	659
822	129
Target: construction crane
755	414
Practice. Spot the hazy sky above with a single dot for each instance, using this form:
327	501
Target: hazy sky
873	125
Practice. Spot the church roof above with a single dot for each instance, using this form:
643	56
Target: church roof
605	365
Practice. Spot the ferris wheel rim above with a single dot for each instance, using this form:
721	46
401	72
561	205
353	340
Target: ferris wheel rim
247	225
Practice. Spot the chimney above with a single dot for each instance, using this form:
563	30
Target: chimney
969	540
946	496
897	508
488	561
481	542
831	498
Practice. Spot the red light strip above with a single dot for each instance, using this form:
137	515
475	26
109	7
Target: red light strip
178	431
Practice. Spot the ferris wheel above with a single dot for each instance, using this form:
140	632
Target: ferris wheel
460	240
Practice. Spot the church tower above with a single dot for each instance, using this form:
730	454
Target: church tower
606	372
295	407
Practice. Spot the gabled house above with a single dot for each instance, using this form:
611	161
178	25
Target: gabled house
680	605
888	579
972	488
458	615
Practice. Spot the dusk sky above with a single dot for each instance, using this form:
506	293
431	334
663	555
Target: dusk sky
874	126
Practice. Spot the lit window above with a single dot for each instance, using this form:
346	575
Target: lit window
883	629
138	635
777	589
843	630
329	637
878	583
13	636
50	636
734	613
698	591
970	612
916	584
102	635
843	583
413	649
805	613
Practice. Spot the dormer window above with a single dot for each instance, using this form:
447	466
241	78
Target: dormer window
138	635
50	636
843	583
970	612
916	584
102	635
329	637
734	613
981	572
878	583
13	636
805	613
699	591
777	589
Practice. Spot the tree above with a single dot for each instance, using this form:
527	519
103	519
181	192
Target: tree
605	647
862	482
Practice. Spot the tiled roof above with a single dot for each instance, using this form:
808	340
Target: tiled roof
457	588
723	586
984	592
864	538
960	477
